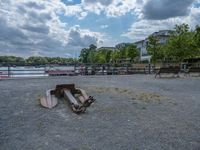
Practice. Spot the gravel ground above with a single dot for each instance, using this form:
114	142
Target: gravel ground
131	113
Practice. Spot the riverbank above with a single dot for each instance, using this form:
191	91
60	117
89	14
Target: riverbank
131	112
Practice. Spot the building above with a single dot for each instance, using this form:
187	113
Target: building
110	48
162	35
122	45
142	46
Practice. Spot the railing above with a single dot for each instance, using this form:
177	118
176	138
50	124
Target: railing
76	69
10	72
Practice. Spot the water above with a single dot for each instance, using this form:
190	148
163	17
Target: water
30	71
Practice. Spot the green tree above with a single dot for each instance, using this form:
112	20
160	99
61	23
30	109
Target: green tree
103	55
92	53
84	55
181	29
11	59
122	52
87	55
108	55
181	44
115	55
197	40
36	60
100	57
132	52
154	48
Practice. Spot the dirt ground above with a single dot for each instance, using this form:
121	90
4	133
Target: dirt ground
134	112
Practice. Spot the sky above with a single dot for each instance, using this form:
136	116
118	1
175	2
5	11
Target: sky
61	28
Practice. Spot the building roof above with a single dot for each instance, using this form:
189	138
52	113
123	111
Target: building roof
141	41
111	48
161	33
121	45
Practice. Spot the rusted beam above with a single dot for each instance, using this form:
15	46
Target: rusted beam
84	98
76	107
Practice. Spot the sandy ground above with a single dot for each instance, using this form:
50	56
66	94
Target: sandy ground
134	112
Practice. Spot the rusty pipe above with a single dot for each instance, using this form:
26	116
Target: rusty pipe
84	98
73	102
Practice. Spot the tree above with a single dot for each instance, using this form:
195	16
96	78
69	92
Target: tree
115	55
122	52
197	40
87	55
36	60
11	59
92	53
84	55
100	57
154	48
92	47
108	54
132	52
181	44
181	29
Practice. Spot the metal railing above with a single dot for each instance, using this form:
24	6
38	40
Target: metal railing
76	69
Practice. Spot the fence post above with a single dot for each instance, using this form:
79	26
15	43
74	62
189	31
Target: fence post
8	70
149	68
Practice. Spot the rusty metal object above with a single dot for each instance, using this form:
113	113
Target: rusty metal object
76	107
84	98
78	99
50	100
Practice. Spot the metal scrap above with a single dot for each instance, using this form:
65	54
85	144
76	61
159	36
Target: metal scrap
77	98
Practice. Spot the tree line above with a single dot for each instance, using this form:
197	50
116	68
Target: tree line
182	44
38	60
107	55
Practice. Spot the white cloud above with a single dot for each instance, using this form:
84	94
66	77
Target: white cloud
30	27
111	8
34	27
83	37
142	28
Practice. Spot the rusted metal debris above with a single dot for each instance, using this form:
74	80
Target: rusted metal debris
77	98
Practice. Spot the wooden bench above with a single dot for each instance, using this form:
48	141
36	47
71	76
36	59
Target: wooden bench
169	70
137	71
193	70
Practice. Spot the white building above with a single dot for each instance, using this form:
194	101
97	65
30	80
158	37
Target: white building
122	45
110	48
162	35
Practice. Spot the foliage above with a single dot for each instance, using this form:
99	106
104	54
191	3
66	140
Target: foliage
87	55
35	60
182	44
103	56
155	49
132	52
115	55
197	40
106	55
7	59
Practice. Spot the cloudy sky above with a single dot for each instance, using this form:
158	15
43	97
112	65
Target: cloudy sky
63	27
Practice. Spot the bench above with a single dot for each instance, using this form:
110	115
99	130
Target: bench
137	70
169	70
193	70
